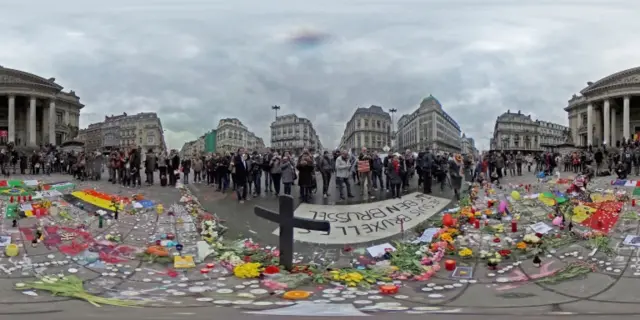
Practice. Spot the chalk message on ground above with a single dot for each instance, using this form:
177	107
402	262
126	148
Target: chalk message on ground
368	221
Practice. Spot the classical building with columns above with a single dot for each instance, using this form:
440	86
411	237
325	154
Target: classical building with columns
606	111
35	111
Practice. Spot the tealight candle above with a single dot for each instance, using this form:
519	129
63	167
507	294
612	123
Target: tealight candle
450	265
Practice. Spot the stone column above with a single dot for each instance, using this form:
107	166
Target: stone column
614	129
12	119
32	121
607	123
589	124
625	118
52	122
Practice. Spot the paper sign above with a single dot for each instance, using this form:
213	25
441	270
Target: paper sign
4	241
540	227
183	262
31	183
427	235
26	207
631	240
462	273
378	250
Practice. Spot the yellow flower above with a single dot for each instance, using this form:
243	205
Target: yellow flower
247	270
465	252
521	245
446	237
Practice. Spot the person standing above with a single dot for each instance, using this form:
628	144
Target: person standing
162	167
325	166
186	169
343	172
275	172
150	166
396	171
266	167
239	173
456	173
306	169
364	172
427	171
173	168
288	172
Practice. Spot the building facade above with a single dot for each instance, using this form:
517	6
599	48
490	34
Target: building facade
194	148
518	132
210	142
429	127
606	111
35	111
231	135
292	133
467	145
368	127
142	130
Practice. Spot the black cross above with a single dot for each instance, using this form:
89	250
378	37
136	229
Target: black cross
287	222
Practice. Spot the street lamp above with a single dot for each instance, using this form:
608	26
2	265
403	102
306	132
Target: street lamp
392	111
275	108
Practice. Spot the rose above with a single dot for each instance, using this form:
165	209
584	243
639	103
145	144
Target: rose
271	270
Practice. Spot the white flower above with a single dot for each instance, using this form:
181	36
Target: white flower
531	238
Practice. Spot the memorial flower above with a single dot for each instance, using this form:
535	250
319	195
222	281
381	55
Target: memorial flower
465	252
247	270
446	237
531	238
271	270
505	253
521	245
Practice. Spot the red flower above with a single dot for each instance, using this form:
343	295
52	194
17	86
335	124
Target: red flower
539	235
247	259
496	240
271	270
505	252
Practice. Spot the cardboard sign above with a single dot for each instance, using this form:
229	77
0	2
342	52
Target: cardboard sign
183	262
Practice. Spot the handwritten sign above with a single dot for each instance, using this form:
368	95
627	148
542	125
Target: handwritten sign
368	221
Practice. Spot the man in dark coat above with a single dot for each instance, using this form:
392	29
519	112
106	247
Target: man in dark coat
174	167
240	174
426	168
150	166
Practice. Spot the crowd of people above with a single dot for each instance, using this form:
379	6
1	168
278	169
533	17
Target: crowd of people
254	174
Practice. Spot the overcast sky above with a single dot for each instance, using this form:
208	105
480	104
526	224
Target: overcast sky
196	61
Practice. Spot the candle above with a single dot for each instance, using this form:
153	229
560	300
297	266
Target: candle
633	202
450	265
204	270
486	222
388	289
210	265
514	226
476	224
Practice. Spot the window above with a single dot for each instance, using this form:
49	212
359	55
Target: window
59	117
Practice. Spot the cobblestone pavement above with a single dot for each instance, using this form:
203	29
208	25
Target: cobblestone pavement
517	287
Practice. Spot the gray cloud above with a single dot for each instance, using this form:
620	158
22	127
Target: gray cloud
197	61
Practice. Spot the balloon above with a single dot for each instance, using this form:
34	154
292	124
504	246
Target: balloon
503	206
447	220
557	221
515	195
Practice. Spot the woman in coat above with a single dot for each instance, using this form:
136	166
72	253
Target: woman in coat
305	180
455	173
275	169
288	174
395	172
